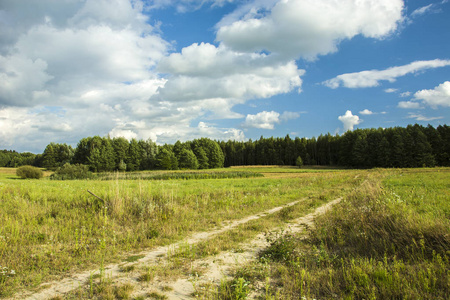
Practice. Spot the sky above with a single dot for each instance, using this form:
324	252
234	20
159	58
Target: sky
223	69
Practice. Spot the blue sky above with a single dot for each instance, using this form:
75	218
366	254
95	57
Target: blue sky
224	69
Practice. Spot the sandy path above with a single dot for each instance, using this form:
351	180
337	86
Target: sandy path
66	285
221	265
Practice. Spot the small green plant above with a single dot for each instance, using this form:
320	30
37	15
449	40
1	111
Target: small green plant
123	291
282	247
29	172
241	289
147	276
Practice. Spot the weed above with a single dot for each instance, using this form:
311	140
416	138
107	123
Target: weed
157	296
128	268
133	258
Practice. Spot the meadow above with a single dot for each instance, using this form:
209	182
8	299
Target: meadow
391	225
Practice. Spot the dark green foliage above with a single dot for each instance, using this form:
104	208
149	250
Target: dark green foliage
70	172
187	160
166	159
209	154
299	162
120	146
29	172
134	156
13	159
56	155
413	146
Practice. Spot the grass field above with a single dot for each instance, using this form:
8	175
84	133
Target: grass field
392	223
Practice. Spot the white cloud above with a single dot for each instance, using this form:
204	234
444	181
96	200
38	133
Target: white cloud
217	78
268	119
423	118
405	94
372	78
439	96
391	90
309	28
128	134
366	112
349	120
421	10
409	105
289	115
263	120
183	6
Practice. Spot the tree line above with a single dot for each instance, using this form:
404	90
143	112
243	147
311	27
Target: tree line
412	146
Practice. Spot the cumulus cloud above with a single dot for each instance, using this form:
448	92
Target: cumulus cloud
372	78
366	112
96	59
349	120
439	96
391	90
263	120
409	104
219	78
309	28
268	119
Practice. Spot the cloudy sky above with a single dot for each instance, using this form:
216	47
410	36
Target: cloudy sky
224	69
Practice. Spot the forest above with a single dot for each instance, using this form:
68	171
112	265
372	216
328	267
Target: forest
411	146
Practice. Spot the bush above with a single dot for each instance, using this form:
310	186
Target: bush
69	172
26	172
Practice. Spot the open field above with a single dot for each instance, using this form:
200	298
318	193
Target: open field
53	229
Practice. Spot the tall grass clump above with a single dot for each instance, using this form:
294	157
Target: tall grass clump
29	172
373	245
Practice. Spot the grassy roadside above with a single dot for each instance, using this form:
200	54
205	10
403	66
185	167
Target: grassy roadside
389	239
50	229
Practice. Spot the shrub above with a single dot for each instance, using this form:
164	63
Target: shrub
26	172
69	172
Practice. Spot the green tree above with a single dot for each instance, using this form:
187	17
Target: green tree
166	159
56	155
187	160
134	156
120	146
149	151
299	162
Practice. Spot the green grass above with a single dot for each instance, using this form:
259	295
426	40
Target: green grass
177	175
389	239
53	228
